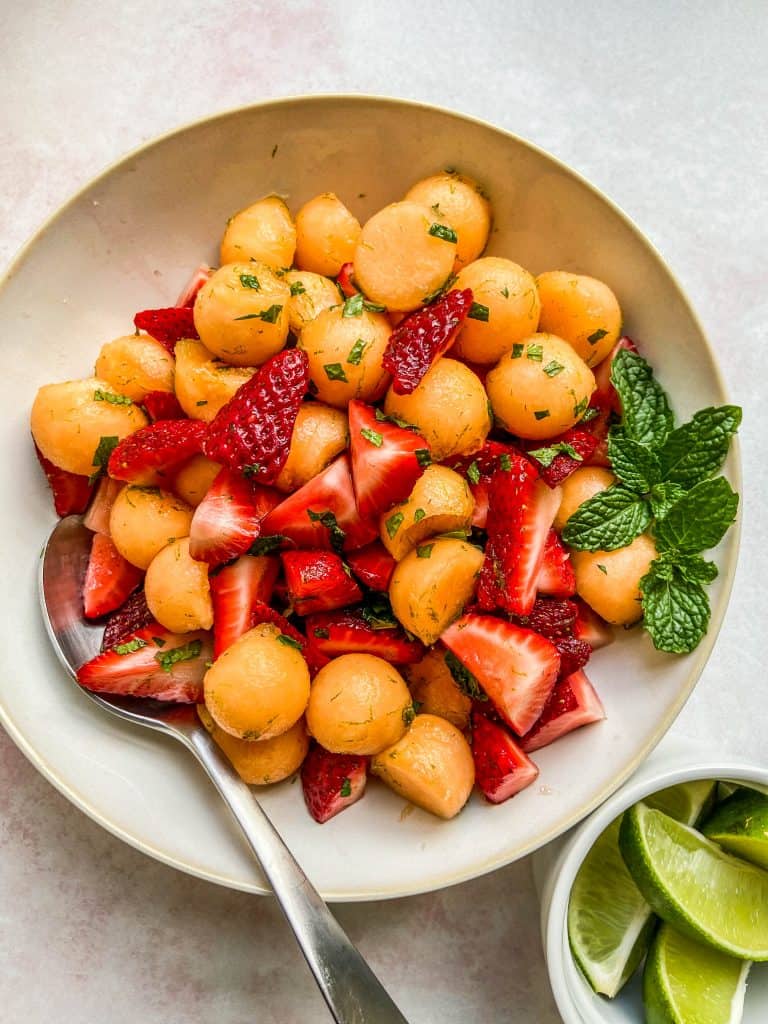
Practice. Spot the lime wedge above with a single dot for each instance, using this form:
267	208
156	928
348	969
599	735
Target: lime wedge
694	886
740	826
688	802
609	922
685	982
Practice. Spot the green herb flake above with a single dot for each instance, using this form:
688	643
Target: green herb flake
602	568
321	633
328	520
335	371
443	231
579	408
596	336
269	316
188	652
411	711
463	678
505	462
297	288
505	292
107	396
356	352
130	646
373	436
546	456
101	456
376	611
252	469
288	641
203	401
423	457
266	545
373	307
393	524
353	306
424	551
418	515
517	350
535	353
274	151
540	414
477	311
249	281
158	641
346	787
553	368
473	472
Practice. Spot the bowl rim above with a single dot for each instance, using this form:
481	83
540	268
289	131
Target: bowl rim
701	655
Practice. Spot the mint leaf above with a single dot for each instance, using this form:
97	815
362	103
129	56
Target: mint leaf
699	519
663	497
167	659
646	416
676	609
698	449
608	520
463	678
546	456
695	569
634	464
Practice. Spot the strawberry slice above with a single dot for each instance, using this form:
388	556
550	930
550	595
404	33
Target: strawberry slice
422	337
501	767
236	591
96	517
133	615
71	493
550	617
263	613
200	275
146	456
478	469
109	578
573	703
167	325
347	632
318	581
162	405
604	395
387	460
521	511
574	653
516	667
252	432
564	454
152	662
323	513
345	281
373	566
332	782
591	628
556	577
228	519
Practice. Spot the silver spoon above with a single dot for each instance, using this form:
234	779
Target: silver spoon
350	988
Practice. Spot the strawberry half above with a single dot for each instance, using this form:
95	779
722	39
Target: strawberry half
109	578
96	517
347	632
516	667
478	469
556	577
131	617
574	653
318	581
591	628
71	493
345	281
422	337
573	703
332	782
578	444
323	513
387	460
146	456
162	405
263	613
200	275
551	618
501	767
167	325
228	519
373	565
236	592
152	662
252	432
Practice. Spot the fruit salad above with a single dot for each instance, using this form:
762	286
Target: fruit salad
371	500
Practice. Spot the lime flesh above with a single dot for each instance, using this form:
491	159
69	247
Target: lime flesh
740	826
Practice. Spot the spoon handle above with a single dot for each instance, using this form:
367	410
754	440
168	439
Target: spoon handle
350	988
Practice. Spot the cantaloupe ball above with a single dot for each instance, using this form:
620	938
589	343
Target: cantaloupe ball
404	254
264	232
320	433
609	581
144	520
261	762
459	201
345	354
204	383
431	766
579	487
581	310
509	309
259	687
434	688
540	388
440	502
326	235
177	589
69	420
135	365
241	313
449	409
358	705
193	479
431	585
310	295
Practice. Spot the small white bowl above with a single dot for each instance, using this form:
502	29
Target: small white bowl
555	868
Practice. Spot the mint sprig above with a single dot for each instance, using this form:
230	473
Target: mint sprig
609	520
646	415
699	520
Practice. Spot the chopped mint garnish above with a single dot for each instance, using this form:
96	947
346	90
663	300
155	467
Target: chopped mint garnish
443	231
190	651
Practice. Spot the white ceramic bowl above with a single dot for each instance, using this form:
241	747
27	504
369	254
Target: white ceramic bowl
555	869
128	241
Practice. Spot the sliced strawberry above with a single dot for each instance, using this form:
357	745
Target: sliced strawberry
146	456
574	654
163	405
200	275
97	514
109	578
478	469
252	432
516	667
556	577
551	618
332	782
387	460
347	632
314	658
133	615
318	581
167	325
564	454
573	703
521	511
228	519
373	565
501	767
236	591
345	281
71	493
422	337
604	395
323	513
591	628
152	662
